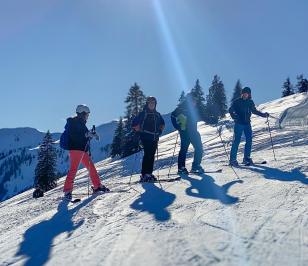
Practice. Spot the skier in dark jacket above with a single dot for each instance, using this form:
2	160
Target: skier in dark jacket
78	138
185	119
150	124
241	110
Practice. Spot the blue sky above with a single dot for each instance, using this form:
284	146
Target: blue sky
57	54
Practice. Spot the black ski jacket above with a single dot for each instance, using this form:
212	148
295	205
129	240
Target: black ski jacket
149	124
77	130
241	111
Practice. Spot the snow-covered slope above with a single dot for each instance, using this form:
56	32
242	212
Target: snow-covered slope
18	155
213	219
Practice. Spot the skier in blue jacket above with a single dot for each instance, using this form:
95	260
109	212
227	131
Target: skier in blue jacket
185	119
241	110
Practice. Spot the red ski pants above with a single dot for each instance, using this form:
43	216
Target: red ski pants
77	157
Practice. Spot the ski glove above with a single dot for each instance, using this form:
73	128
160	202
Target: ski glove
137	128
92	135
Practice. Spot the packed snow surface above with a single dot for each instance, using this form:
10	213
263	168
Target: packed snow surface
259	218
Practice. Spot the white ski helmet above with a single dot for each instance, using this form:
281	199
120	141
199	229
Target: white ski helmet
82	108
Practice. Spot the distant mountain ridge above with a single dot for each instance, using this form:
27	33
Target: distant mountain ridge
18	154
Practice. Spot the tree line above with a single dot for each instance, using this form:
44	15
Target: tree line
289	89
211	107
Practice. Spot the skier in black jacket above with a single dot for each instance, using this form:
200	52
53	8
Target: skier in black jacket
185	119
241	110
150	124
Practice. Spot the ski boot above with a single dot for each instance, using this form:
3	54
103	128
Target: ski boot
101	188
234	163
147	178
38	193
68	196
154	178
182	171
247	162
197	170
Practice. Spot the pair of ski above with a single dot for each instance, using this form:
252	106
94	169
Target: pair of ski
253	164
76	200
174	179
162	180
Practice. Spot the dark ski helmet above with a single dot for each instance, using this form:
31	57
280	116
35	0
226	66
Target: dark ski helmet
151	99
82	108
246	90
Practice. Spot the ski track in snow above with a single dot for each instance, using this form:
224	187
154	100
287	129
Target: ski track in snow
212	219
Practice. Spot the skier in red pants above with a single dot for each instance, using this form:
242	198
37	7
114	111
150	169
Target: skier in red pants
77	138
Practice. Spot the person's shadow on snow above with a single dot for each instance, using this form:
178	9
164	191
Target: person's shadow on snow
277	174
154	200
207	189
38	239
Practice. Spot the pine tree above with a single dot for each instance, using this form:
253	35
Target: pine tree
237	91
117	143
135	102
45	171
198	94
216	106
287	88
302	84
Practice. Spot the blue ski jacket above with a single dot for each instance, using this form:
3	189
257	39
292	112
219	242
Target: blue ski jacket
241	111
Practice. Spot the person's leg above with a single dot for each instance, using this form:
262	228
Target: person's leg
75	158
153	149
248	144
198	147
147	157
87	162
238	129
185	141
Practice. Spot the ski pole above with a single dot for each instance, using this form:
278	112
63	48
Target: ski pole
158	168
274	117
93	130
226	152
223	144
172	159
89	175
133	168
270	133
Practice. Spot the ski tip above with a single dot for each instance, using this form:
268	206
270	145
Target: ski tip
75	200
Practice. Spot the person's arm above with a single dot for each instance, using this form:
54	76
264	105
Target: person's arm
174	120
136	123
256	112
233	112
